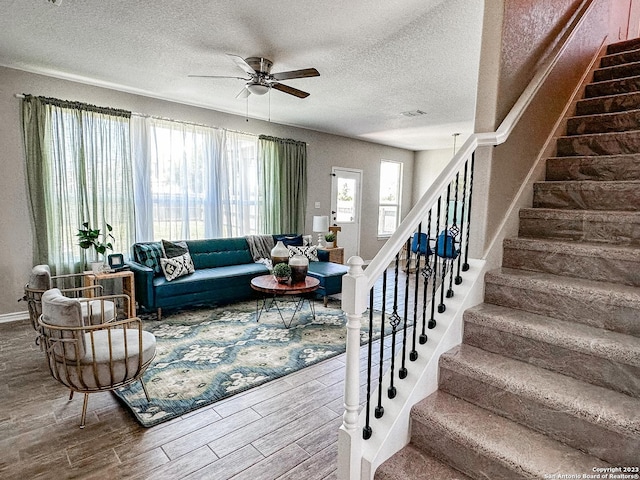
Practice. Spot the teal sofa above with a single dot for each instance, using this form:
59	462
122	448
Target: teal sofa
224	268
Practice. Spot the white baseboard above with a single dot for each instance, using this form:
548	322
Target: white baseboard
14	317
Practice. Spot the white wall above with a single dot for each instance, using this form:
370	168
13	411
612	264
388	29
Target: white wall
324	152
427	166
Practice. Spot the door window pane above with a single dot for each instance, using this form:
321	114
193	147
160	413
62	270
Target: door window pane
346	200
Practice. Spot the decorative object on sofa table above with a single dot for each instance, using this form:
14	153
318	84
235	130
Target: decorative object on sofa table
299	265
330	240
320	226
279	253
90	237
282	272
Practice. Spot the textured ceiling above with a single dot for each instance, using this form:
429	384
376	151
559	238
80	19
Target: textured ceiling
376	58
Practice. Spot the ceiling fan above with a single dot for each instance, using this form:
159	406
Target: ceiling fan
260	79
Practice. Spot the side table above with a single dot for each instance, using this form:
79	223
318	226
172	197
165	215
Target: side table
128	285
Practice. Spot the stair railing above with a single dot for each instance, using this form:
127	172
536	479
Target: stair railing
428	254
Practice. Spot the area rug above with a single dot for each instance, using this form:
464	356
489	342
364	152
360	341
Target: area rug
206	355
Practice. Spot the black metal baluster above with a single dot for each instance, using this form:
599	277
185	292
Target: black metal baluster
366	430
462	223
379	411
394	321
432	320
465	266
402	373
413	355
442	307
426	272
454	233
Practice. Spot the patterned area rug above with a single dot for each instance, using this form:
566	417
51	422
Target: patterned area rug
206	355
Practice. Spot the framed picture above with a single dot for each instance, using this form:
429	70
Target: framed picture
116	261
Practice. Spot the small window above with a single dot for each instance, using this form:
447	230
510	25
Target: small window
389	201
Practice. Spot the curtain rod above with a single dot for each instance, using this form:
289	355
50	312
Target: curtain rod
143	115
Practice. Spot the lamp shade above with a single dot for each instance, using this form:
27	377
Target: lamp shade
320	223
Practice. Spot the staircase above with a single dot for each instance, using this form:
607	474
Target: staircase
547	380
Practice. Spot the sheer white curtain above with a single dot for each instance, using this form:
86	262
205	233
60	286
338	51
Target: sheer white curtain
192	181
240	200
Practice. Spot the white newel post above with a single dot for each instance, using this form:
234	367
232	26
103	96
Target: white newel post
354	303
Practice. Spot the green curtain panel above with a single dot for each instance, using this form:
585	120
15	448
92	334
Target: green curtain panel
78	169
283	184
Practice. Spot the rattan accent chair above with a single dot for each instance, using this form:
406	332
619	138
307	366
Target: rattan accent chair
92	358
98	308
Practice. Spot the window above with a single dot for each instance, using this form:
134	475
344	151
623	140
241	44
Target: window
193	181
389	201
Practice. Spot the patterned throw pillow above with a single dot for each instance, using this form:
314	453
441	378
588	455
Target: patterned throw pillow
311	252
149	255
177	266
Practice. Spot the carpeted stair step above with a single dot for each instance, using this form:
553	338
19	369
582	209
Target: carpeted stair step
612	87
628	56
603	167
633	44
614	143
604	123
487	446
593	355
616	72
591	261
587	195
609	104
592	419
411	463
616	227
597	304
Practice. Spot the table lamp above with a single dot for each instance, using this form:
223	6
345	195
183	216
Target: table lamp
320	226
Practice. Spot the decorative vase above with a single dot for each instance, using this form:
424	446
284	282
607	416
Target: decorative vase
299	267
279	253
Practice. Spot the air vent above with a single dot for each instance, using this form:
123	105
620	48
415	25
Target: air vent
413	113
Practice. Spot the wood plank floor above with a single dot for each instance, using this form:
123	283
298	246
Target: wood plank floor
285	429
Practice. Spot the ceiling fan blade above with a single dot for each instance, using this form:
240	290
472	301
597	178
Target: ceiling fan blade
218	76
304	73
290	90
238	60
244	93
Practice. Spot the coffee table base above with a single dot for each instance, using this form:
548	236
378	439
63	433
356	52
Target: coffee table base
261	306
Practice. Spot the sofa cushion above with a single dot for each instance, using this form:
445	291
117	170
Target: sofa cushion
176	267
149	255
287	240
209	279
174	249
219	252
330	276
310	251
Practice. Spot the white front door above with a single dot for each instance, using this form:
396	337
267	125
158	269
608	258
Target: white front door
346	198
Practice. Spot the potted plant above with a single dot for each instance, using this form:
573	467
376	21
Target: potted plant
282	272
89	237
330	239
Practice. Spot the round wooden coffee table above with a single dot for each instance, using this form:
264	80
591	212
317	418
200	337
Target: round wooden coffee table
271	290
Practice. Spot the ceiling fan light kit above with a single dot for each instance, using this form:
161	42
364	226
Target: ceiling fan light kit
257	88
261	80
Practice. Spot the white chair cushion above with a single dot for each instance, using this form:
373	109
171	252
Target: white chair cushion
84	376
